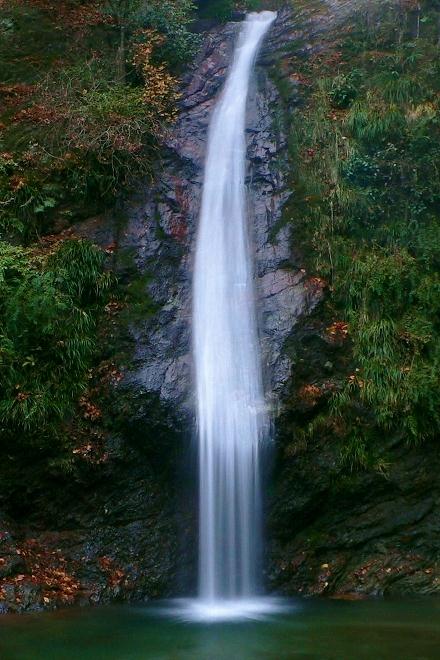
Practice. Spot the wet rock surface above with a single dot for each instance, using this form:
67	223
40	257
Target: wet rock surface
127	531
159	233
121	538
107	535
333	532
363	535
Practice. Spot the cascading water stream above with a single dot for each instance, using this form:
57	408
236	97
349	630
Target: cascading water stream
231	416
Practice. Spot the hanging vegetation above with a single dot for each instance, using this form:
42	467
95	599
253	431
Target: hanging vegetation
366	148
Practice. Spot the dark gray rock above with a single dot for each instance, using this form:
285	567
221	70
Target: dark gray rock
160	233
336	534
11	561
328	533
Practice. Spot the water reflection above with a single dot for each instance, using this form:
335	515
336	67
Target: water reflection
322	630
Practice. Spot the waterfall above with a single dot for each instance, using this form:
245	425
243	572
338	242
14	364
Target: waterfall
231	415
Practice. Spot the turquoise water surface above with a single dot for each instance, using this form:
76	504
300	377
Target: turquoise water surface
307	629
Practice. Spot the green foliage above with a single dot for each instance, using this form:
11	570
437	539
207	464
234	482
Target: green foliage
367	211
79	122
370	121
343	90
20	27
48	311
172	18
216	9
124	11
99	140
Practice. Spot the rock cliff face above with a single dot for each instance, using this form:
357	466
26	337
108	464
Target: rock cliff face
116	535
160	233
332	532
123	530
359	536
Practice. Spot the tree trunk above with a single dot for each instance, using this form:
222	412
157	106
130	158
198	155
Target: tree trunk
438	29
401	21
120	57
414	21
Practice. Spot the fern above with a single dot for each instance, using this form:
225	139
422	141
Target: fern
48	312
367	211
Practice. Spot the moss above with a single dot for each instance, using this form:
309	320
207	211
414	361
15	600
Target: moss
361	208
76	136
125	262
51	303
140	305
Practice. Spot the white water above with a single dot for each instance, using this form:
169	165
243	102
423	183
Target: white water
230	404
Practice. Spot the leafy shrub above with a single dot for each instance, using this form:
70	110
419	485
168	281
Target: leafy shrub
360	170
171	18
83	140
48	311
367	210
343	91
81	134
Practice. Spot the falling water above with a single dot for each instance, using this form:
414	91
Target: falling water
230	404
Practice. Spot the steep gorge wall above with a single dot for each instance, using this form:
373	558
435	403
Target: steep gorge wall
126	527
332	530
127	530
158	234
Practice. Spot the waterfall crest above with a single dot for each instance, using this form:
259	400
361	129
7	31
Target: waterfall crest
231	413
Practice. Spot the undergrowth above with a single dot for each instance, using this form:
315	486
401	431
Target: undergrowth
87	90
365	149
49	306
